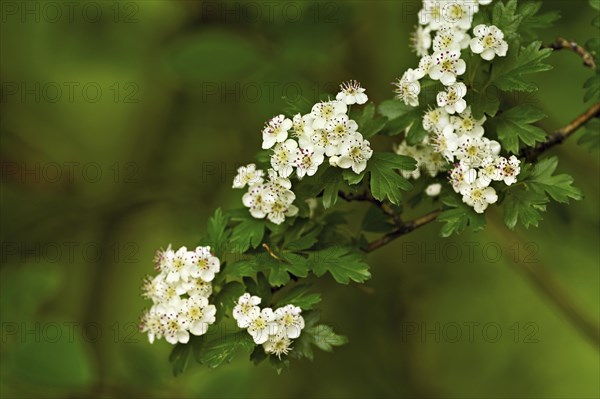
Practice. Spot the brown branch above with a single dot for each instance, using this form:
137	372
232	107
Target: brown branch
564	44
562	134
404	228
367	197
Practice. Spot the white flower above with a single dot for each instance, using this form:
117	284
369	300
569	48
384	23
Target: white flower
446	143
461	177
303	131
340	128
277	345
263	325
206	264
248	175
151	324
479	196
308	161
174	325
433	190
413	152
199	287
489	42
246	310
458	13
489	171
284	156
199	314
280	209
420	40
452	99
431	14
447	65
435	120
276	131
509	169
289	321
465	124
352	93
255	200
484	2
323	112
321	140
408	88
180	266
162	258
474	151
354	153
425	64
450	38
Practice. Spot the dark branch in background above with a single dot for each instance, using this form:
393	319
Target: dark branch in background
367	197
564	44
562	134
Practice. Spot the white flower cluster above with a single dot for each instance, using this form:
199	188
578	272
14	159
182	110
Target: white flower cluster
275	330
301	144
455	136
180	293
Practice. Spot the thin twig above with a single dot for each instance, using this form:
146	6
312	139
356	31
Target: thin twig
403	229
562	134
367	197
564	44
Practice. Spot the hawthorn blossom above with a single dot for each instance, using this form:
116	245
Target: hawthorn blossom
433	190
354	153
453	98
246	309
489	42
206	264
283	157
248	175
447	65
420	41
479	196
289	321
263	325
323	112
465	124
277	345
308	161
435	120
276	131
509	169
408	88
199	314
352	93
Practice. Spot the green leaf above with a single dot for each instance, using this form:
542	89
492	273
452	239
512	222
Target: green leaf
516	124
532	21
243	268
484	102
376	221
523	206
509	73
247	234
259	287
590	137
342	263
325	338
506	17
258	355
595	4
559	187
218	234
179	358
223	349
386	182
459	216
300	297
593	88
392	109
225	299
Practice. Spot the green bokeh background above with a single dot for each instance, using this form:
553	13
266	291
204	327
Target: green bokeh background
185	89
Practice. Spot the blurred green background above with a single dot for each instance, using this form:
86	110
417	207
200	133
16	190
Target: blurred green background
122	124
